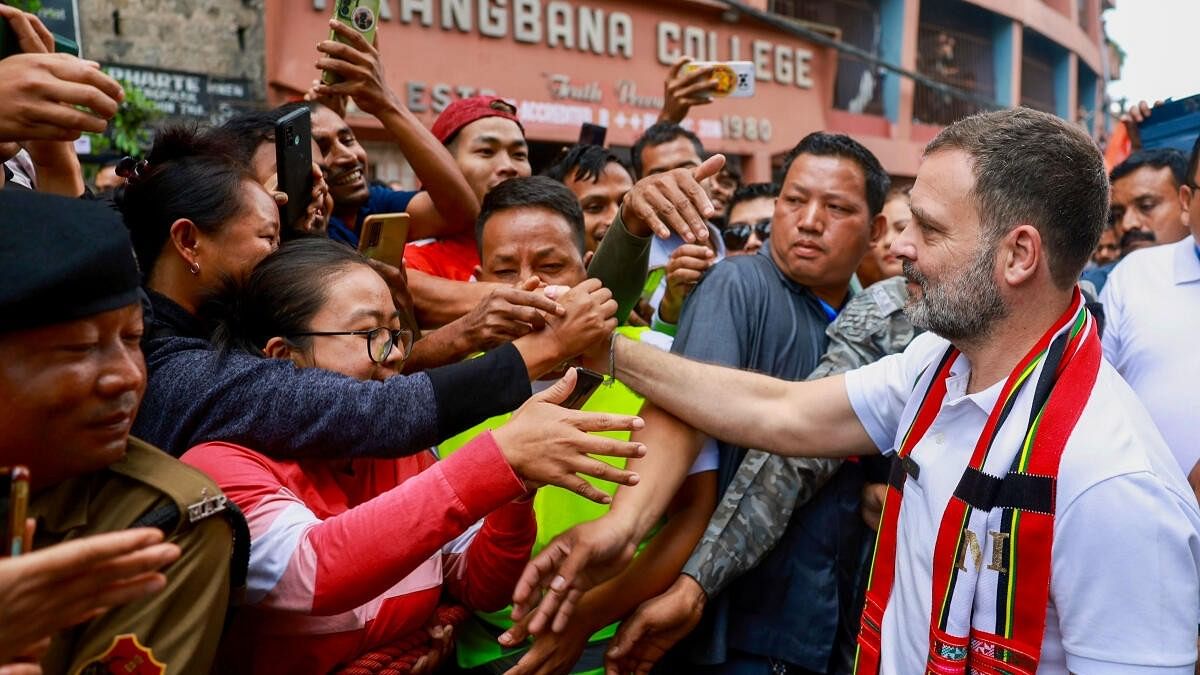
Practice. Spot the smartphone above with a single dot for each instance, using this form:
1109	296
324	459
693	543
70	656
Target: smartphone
14	503
586	383
592	134
383	237
734	79
1174	124
293	162
360	15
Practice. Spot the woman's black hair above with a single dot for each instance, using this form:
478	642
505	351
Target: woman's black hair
281	295
189	173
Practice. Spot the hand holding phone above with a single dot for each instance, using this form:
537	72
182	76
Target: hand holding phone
734	79
293	164
586	383
383	237
361	16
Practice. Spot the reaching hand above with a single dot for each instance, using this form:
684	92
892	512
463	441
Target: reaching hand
655	627
687	264
673	200
40	95
589	319
573	563
681	92
554	653
441	647
75	581
361	70
547	444
506	314
873	495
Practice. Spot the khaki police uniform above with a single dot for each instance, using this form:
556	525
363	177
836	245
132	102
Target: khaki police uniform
176	630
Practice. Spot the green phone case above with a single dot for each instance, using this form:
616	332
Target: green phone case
362	16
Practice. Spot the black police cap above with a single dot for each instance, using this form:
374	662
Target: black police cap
61	259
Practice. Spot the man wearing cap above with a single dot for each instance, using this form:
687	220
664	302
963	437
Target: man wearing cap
72	377
488	144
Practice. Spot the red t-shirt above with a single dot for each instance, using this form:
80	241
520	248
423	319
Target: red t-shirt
454	258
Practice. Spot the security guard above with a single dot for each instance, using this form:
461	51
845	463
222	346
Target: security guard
72	376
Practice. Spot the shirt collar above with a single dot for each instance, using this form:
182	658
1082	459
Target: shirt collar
956	387
63	507
1187	262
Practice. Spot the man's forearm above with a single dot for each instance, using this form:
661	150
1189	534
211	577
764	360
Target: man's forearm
671	449
657	567
808	419
439	301
621	264
753	514
58	169
438	348
435	168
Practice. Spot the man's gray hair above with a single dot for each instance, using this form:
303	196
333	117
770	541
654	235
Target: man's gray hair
1034	168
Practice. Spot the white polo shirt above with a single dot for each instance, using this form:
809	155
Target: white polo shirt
1125	574
1152	337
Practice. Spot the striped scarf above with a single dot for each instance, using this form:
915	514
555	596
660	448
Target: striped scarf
988	613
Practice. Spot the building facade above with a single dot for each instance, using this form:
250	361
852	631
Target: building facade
565	62
195	59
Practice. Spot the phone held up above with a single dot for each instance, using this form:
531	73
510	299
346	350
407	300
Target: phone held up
293	164
14	503
383	237
360	15
734	79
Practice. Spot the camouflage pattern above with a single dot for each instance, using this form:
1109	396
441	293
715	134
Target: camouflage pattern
757	505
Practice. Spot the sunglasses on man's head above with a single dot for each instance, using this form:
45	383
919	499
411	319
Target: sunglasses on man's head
736	235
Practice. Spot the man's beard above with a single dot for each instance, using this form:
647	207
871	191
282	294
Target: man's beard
961	307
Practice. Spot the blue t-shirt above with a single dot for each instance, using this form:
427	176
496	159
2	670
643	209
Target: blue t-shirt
382	200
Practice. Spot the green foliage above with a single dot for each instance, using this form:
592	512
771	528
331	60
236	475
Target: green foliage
31	6
129	132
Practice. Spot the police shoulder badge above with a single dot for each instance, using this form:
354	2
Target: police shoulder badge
125	656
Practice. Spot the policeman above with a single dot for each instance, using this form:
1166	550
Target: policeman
71	378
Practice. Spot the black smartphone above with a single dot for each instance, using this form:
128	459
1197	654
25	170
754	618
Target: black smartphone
592	134
586	383
293	164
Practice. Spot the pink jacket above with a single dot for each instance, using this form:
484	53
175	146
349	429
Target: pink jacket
352	555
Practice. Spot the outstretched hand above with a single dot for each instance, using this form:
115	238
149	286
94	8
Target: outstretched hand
655	627
573	563
546	444
672	201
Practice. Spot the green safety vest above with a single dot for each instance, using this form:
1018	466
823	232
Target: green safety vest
556	510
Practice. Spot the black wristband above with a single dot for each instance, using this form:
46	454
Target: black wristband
470	392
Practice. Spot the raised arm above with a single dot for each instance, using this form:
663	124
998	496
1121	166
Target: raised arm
448	206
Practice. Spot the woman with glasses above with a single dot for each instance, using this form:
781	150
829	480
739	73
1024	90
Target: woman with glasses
351	556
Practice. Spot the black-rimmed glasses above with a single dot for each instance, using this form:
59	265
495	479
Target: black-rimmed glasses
736	236
380	341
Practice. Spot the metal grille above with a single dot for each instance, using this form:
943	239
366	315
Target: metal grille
858	88
1037	84
955	57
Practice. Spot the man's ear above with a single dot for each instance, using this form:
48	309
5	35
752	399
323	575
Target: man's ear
1185	200
587	258
280	348
878	227
1022	252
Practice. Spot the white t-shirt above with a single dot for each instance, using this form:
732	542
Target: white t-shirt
1125	575
1152	337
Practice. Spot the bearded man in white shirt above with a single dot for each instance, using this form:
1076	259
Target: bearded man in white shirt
1152	309
1036	522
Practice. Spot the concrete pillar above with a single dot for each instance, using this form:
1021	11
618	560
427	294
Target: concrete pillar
1066	85
1007	46
899	21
